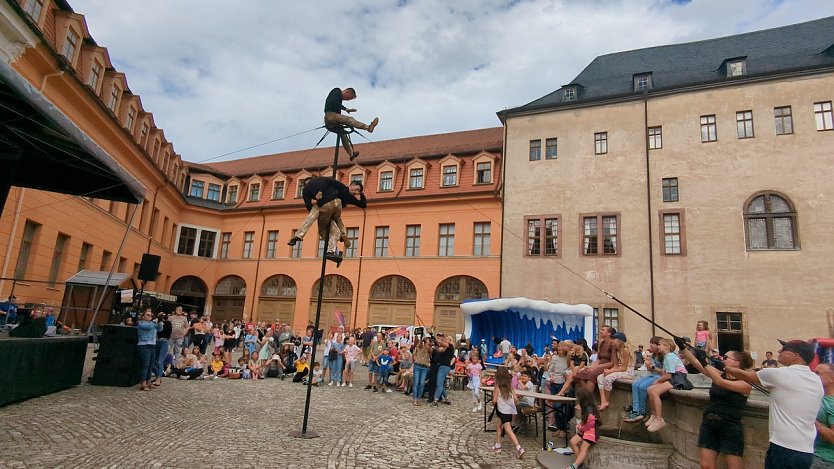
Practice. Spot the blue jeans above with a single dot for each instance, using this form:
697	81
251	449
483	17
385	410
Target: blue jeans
640	393
419	384
146	354
784	458
336	369
160	353
440	389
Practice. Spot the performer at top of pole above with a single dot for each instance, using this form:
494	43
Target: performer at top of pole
333	118
324	198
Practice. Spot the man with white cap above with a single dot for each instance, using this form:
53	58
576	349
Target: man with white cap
795	394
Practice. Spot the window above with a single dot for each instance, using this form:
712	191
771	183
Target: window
271	244
381	241
187	241
543	230
736	68
34	8
105	260
353	236
206	246
823	115
483	173
320	250
606	236
415	178
450	175
277	190
301	184
569	94
481	242
670	189
70	44
131	118
446	246
744	124
114	98
673	233
386	181
729	328
611	317
642	82
770	220
57	257
26	243
154	221
213	192
655	138
357	178
122	264
254	192
708	129
197	189
143	137
784	120
225	242
248	242
412	240
535	150
600	143
95	75
84	256
550	149
233	194
295	251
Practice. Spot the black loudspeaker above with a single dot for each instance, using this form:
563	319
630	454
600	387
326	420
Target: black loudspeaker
117	362
149	267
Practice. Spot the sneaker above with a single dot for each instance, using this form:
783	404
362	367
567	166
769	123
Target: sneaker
650	421
330	383
474	408
434	404
447	401
293	240
496	448
335	257
375	389
633	417
183	377
388	390
354	155
373	125
368	387
350	385
519	452
656	425
553	428
480	406
550	446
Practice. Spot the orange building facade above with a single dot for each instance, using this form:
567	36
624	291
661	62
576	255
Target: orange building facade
429	238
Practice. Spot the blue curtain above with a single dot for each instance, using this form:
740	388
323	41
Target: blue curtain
520	330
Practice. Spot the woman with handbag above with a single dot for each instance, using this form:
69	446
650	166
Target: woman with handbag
721	430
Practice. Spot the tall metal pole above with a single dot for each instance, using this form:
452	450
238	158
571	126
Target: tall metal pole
304	433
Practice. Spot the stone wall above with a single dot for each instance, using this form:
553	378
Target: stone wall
682	411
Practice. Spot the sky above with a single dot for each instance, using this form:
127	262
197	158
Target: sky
222	76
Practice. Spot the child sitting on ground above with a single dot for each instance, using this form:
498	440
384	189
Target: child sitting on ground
587	430
216	365
254	366
317	374
245	373
384	361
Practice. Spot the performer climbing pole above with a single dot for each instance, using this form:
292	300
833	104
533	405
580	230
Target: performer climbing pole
324	199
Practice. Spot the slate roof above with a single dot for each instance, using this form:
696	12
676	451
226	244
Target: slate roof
425	146
802	46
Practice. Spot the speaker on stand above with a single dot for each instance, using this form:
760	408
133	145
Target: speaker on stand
148	270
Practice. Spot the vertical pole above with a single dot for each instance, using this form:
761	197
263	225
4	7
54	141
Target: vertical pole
304	433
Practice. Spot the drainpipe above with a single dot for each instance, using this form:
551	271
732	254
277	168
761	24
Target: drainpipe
258	264
153	207
361	258
47	77
649	205
503	198
20	193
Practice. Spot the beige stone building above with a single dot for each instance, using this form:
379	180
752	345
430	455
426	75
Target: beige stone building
691	181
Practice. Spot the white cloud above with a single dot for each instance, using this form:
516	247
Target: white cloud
219	76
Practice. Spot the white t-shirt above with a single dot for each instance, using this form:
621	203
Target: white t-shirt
505	346
795	394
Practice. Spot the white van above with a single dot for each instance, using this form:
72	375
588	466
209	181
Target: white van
413	331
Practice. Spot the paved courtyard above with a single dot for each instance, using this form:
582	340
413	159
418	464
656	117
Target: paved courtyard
236	423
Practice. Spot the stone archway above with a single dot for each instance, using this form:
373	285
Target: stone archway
449	295
336	302
276	302
228	299
393	301
190	291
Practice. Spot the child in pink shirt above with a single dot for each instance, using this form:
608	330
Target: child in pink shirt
473	371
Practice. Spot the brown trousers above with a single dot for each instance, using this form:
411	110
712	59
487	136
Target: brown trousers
341	119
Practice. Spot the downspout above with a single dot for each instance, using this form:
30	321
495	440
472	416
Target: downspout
502	199
17	210
359	276
258	266
649	205
153	224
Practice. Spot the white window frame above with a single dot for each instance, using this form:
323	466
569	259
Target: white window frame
200	230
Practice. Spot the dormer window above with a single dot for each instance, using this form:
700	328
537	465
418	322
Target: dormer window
642	82
33	8
70	45
131	118
114	98
569	93
301	184
95	75
254	192
232	199
736	68
277	190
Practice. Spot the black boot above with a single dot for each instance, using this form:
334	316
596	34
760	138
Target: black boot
335	257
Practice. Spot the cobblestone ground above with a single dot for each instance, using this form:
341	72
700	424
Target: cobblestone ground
236	423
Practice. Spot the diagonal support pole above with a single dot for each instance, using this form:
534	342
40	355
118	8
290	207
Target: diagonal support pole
305	433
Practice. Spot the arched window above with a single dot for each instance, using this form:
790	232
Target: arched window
335	286
189	286
459	288
770	223
279	286
393	287
231	285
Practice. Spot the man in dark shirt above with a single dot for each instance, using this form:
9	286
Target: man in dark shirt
333	116
324	198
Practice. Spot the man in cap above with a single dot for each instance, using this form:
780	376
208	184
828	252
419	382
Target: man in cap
795	394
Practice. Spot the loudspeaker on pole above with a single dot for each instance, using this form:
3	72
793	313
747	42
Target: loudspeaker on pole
149	268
